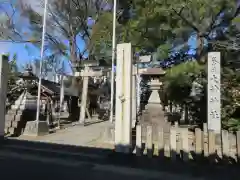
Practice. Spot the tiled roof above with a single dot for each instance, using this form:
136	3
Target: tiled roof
52	87
145	59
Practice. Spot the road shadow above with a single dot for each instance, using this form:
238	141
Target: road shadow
212	167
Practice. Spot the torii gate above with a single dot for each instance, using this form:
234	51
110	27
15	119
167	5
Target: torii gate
86	73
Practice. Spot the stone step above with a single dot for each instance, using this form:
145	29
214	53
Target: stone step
8	124
21	107
6	131
14	106
14	112
12	130
17	102
15	124
11	117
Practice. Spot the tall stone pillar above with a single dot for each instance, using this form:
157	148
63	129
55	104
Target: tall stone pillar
4	70
123	108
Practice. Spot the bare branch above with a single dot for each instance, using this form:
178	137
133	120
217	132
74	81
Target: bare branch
20	41
185	20
214	19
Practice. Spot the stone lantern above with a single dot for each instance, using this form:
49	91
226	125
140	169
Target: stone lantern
155	84
153	108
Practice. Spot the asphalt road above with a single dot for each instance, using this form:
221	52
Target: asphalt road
12	169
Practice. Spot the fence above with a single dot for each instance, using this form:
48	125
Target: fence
180	143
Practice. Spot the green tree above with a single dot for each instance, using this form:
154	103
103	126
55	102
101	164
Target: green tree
145	24
150	25
67	21
13	72
179	81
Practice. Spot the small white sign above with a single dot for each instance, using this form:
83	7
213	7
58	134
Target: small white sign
214	91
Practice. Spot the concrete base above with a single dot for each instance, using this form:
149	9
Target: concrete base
109	134
34	128
82	123
78	123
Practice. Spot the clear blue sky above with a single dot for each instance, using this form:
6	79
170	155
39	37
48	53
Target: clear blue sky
25	51
24	56
19	48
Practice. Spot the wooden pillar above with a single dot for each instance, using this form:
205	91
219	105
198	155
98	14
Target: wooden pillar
88	72
84	96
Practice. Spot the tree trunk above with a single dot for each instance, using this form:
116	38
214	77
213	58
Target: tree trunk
74	113
200	46
74	109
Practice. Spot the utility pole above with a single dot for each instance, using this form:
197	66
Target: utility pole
41	60
113	58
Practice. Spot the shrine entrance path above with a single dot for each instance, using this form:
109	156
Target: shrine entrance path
88	136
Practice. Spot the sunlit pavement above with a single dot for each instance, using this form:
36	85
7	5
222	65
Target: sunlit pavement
90	136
